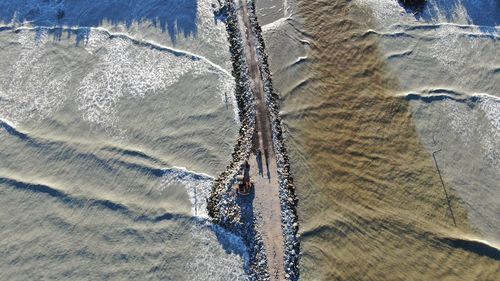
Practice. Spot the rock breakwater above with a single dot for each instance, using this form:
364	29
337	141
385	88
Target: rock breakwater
223	205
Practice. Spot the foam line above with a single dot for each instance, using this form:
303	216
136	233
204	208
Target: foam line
441	24
275	23
400	55
142	43
467	30
387	34
196	175
8	123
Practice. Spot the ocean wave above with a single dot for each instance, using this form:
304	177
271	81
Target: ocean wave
134	153
485	115
400	54
405	30
296	89
198	187
438	94
121	71
34	88
10	128
476	246
79	202
275	24
8	123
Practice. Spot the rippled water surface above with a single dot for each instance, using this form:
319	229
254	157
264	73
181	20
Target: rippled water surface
380	90
116	115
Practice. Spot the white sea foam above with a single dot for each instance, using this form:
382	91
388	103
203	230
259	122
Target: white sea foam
444	48
491	140
35	88
198	187
207	264
126	67
465	125
127	70
460	121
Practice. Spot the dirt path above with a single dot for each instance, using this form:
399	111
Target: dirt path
263	168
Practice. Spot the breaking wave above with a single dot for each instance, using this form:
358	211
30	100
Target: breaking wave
125	68
198	187
78	202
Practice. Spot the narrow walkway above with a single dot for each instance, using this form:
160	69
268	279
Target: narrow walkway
263	167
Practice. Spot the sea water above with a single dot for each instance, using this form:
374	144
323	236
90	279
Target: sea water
115	118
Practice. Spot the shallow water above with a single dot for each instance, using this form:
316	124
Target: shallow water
377	92
446	60
97	115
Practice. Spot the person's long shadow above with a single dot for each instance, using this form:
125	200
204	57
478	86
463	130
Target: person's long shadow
259	163
173	16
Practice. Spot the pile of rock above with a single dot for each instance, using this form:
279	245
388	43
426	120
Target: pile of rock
259	267
288	198
222	204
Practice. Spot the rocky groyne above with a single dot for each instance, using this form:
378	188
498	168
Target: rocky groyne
288	198
223	205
